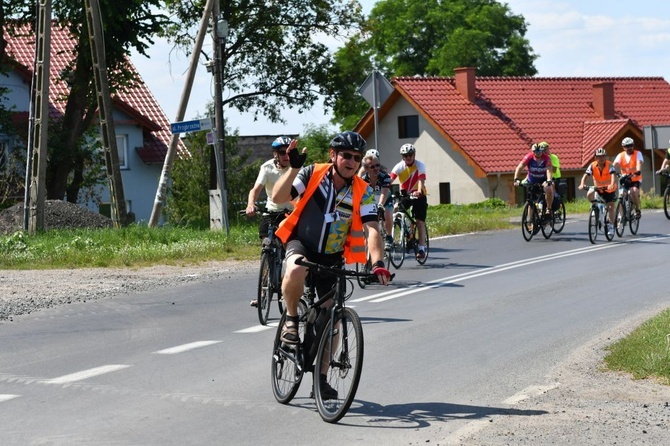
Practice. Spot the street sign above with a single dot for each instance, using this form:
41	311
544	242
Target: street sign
376	89
191	126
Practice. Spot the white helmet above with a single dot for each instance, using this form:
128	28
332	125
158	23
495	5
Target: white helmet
407	149
372	153
601	152
627	142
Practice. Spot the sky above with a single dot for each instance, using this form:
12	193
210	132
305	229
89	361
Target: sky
581	38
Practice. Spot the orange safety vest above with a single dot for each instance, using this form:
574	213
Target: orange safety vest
354	245
630	166
602	178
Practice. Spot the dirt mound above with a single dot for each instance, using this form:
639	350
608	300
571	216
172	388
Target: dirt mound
57	215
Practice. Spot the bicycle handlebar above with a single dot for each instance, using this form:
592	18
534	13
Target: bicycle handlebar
337	271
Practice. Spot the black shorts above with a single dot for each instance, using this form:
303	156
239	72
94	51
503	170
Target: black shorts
419	206
609	197
324	283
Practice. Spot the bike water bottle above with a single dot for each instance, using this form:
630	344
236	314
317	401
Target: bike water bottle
601	208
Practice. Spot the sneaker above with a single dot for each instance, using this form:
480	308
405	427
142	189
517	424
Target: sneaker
254	303
610	229
388	243
638	214
327	392
421	254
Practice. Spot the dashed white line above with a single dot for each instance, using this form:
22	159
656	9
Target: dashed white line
185	347
7	397
84	374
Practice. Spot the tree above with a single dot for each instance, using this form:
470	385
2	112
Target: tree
127	24
274	57
430	38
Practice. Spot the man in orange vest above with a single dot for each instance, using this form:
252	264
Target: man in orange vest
604	179
328	221
630	162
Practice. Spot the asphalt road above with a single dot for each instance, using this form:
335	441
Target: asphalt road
451	342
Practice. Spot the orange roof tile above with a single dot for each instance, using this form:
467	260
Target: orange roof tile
510	113
138	102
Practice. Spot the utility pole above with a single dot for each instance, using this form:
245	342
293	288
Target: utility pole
97	44
186	93
220	34
38	150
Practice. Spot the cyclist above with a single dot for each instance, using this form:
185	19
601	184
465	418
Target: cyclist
630	162
555	165
269	173
411	174
380	182
666	162
604	179
327	224
540	169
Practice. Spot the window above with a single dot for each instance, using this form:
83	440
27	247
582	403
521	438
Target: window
408	126
122	147
445	193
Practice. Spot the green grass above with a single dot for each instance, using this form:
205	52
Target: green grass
645	353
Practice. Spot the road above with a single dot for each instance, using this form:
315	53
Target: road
455	341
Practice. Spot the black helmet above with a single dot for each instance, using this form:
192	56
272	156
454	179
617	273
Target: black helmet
281	142
348	141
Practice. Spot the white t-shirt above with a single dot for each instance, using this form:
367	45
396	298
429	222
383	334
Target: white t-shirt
268	176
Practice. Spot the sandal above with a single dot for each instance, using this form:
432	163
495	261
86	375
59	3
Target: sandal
289	332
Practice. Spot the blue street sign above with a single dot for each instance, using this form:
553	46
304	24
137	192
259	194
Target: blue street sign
191	126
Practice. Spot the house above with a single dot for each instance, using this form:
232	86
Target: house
142	129
472	131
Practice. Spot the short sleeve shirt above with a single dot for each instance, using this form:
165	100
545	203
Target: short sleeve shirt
268	176
326	219
409	176
383	181
537	169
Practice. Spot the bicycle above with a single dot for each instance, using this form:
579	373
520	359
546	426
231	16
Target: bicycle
270	273
533	217
625	211
330	334
367	266
596	224
405	235
666	194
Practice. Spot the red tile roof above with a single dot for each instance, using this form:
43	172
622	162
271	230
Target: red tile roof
137	102
508	114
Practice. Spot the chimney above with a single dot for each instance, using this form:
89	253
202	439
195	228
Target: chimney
465	82
603	99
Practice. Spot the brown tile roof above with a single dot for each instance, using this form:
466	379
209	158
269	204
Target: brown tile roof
138	102
508	114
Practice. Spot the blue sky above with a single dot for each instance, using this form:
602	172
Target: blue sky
572	37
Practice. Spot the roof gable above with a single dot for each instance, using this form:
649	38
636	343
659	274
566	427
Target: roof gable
508	114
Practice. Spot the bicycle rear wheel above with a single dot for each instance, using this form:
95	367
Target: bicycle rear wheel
416	236
287	361
341	349
593	225
398	249
265	288
633	221
666	202
527	222
620	218
559	218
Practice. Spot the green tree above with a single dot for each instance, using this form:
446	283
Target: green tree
274	57
429	38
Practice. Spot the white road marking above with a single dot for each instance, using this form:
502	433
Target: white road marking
7	397
258	328
84	374
185	347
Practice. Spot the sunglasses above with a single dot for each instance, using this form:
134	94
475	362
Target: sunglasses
281	152
348	156
537	152
408	155
629	146
372	166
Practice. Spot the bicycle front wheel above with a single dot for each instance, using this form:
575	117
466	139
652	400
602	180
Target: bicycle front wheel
528	222
265	288
666	202
340	358
608	235
633	221
398	249
287	361
363	268
416	236
547	224
620	218
593	225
